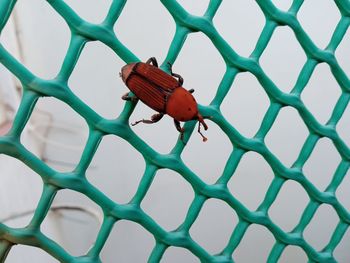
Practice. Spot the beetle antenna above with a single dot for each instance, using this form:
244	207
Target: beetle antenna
201	121
199	131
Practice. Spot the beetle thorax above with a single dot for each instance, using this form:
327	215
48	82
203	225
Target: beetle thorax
181	105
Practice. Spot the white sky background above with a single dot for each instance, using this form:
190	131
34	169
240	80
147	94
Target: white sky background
147	29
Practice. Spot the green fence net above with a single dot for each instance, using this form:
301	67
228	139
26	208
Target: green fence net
83	32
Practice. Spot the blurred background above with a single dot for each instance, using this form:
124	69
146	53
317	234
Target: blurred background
38	37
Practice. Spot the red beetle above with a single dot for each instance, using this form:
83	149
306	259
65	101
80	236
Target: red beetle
161	92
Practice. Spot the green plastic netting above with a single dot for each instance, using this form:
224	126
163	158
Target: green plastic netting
83	32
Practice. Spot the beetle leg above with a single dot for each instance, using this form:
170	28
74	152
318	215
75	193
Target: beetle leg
154	118
170	67
191	90
179	128
129	98
152	61
179	78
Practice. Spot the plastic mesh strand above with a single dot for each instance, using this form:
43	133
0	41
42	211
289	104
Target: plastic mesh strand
83	32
